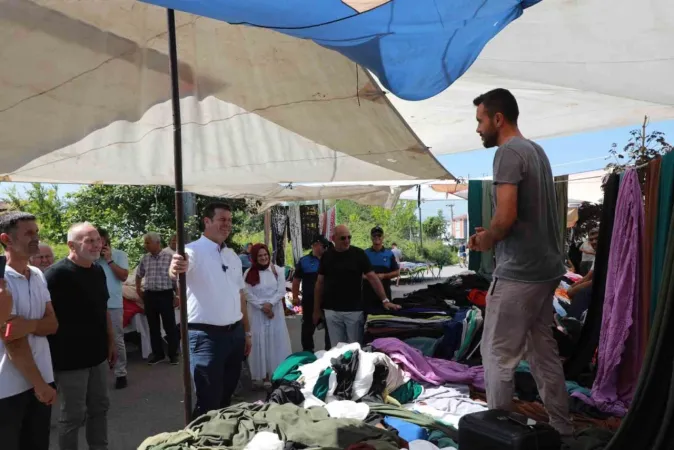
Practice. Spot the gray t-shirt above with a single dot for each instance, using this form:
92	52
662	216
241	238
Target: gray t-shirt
531	252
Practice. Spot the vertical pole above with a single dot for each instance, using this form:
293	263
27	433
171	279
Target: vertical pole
180	224
267	227
421	230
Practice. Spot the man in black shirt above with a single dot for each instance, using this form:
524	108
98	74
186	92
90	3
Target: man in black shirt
83	349
339	286
306	273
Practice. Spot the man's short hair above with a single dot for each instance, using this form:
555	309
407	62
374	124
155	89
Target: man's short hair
392	244
74	228
10	220
499	101
154	237
209	209
103	233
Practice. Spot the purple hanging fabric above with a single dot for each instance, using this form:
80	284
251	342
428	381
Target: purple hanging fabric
431	370
620	351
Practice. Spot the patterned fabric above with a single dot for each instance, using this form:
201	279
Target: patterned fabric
279	220
154	268
295	225
309	221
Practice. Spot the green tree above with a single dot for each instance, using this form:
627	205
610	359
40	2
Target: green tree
435	227
641	147
44	202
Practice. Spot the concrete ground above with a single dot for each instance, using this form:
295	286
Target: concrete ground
153	402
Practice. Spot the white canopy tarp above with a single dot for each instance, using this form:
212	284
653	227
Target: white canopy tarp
85	98
574	66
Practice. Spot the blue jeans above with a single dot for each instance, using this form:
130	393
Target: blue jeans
216	355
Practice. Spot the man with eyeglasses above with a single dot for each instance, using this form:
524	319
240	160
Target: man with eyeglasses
217	321
385	266
338	289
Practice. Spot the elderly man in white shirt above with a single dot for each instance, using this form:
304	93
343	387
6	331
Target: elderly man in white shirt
26	376
217	319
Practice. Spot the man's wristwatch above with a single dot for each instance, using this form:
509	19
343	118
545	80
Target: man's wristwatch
385	301
249	334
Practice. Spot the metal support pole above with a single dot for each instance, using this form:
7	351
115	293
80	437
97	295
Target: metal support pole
421	229
180	223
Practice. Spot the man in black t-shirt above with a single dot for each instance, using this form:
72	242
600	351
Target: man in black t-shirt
83	349
338	289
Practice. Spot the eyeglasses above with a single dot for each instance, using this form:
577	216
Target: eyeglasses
345	238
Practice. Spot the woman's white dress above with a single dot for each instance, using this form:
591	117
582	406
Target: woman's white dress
271	341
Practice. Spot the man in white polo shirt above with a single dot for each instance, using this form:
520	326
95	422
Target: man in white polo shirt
26	376
216	310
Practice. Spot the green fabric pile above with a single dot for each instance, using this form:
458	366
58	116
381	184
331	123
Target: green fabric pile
234	427
408	392
288	370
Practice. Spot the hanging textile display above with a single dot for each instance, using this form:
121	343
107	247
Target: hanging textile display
649	423
330	223
589	337
562	195
309	222
665	199
279	218
487	258
651	186
474	220
295	228
620	350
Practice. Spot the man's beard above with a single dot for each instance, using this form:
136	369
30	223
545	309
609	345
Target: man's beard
490	140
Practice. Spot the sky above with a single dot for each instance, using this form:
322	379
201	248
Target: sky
571	154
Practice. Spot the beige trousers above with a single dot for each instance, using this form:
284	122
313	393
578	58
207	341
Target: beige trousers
517	326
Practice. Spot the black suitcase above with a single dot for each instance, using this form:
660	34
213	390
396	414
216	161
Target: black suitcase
502	430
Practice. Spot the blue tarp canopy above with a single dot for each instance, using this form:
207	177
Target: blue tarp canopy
417	48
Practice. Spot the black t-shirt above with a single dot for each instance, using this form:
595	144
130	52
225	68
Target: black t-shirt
80	299
343	272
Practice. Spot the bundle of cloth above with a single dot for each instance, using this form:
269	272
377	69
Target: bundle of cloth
389	379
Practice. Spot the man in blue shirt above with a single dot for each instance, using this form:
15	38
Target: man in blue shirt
385	265
115	264
306	272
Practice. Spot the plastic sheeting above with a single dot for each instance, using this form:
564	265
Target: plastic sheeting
85	99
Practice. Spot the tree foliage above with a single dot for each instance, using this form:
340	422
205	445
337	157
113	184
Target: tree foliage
44	202
435	227
642	147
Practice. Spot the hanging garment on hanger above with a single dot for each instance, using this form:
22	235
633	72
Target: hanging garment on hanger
620	351
474	220
279	219
310	224
487	258
562	195
665	200
651	187
649	423
589	338
295	225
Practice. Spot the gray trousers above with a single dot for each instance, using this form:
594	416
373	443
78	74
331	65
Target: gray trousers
517	326
117	319
345	326
83	396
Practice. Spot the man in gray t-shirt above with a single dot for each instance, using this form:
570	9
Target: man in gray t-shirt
529	263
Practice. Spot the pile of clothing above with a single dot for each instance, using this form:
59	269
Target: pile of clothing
451	311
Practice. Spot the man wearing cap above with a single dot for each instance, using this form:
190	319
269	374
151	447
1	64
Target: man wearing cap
385	266
306	273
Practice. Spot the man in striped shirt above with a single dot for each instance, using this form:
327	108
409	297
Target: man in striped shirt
159	299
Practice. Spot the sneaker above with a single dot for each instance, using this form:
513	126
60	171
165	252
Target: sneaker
174	361
155	360
121	383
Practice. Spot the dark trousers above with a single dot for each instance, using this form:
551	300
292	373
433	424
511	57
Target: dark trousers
159	305
308	327
216	355
24	422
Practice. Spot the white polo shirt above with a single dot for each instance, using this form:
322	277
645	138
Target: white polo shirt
30	299
213	293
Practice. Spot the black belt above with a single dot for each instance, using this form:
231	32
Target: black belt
212	328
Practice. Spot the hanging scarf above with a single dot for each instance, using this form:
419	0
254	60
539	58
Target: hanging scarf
253	275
